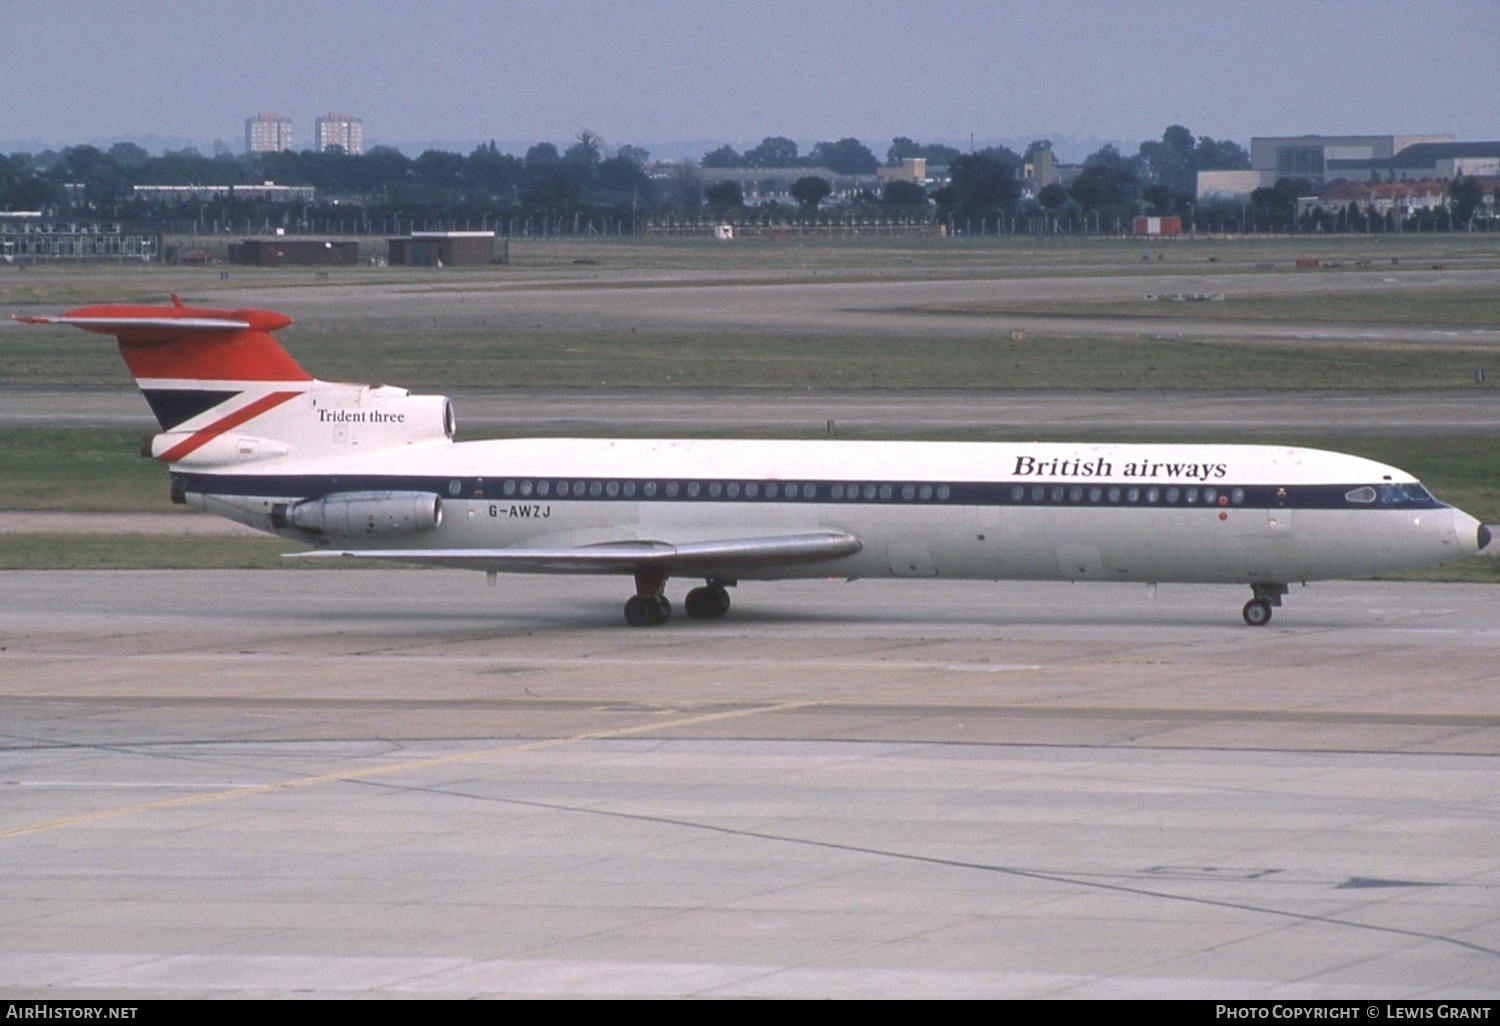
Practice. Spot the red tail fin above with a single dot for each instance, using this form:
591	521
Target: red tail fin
188	360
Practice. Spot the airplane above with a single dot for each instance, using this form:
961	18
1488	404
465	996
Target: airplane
374	472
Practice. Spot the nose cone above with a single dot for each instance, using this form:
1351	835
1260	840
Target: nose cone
1472	535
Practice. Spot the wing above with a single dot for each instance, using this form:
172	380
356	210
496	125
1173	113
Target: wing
723	557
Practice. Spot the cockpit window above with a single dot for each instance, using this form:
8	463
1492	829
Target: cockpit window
1365	494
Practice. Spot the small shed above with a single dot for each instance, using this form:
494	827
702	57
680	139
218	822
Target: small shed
283	252
442	249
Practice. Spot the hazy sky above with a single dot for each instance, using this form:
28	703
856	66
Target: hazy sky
653	71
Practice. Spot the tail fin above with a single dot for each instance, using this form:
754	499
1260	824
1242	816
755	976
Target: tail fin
207	373
189	361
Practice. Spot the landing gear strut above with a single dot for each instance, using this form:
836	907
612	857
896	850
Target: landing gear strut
1257	611
648	607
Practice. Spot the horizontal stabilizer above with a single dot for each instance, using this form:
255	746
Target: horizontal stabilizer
625	556
163	327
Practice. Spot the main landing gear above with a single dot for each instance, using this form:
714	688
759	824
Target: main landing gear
1257	611
649	607
708	602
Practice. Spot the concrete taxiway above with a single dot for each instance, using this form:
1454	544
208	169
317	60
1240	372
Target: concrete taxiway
401	782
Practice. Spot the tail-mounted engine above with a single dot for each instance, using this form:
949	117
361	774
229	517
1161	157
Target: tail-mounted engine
351	515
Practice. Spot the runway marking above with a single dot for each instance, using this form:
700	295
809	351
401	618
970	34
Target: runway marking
1475	720
520	664
376	771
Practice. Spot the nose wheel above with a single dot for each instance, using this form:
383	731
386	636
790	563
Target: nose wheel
1257	611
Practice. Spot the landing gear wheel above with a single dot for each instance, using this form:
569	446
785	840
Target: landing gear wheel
647	610
1257	612
708	602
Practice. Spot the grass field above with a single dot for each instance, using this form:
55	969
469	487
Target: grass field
434	360
437	356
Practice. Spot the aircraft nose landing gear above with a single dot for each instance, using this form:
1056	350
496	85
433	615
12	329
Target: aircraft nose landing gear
1257	611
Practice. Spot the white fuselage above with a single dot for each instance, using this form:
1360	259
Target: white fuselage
1204	513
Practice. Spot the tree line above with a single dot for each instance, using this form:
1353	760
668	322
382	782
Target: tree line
984	186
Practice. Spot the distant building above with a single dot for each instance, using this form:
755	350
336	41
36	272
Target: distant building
1322	158
911	169
1227	185
282	252
442	249
1401	199
774	184
26	238
268	133
344	131
1446	160
269	192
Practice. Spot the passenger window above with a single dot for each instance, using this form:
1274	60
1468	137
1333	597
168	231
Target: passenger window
649	489
672	490
525	487
943	493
